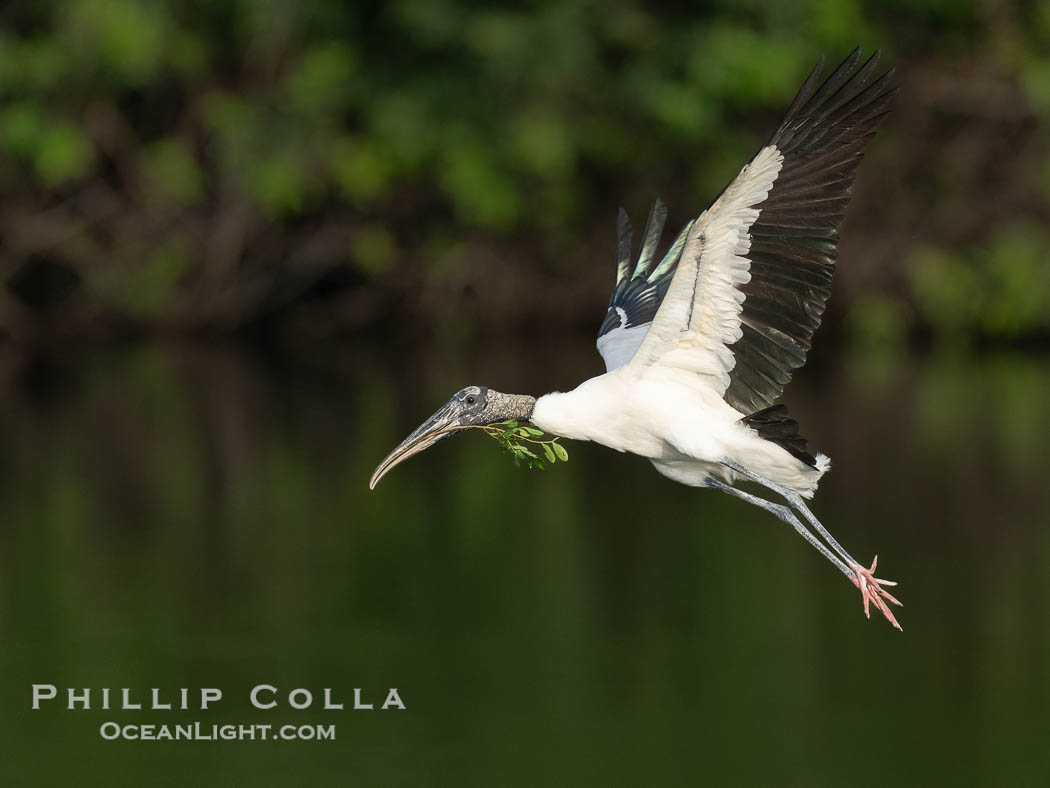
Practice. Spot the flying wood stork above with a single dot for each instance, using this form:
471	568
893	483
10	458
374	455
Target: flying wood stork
699	348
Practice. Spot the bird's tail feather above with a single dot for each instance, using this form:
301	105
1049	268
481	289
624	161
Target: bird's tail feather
773	424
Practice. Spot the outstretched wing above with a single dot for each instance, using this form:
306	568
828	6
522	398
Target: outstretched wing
749	287
637	294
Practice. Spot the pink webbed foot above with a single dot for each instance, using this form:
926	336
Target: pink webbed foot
873	593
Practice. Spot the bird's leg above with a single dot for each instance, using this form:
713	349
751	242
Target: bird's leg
788	516
871	587
793	498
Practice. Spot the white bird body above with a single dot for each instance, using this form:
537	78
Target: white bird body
686	431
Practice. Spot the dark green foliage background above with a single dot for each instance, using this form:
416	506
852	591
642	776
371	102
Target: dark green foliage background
320	166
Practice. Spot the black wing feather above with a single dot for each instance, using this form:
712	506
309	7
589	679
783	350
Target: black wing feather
775	425
639	293
795	238
623	246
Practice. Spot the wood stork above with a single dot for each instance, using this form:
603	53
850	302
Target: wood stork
699	348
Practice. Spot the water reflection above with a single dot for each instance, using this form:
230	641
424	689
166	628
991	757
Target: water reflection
173	517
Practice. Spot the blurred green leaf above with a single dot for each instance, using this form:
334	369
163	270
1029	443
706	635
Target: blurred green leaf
62	153
324	80
498	34
541	144
373	248
1018	281
740	65
233	119
480	189
360	169
125	38
281	183
948	291
172	168
1000	288
31	64
188	53
1035	77
155	279
21	126
878	322
432	23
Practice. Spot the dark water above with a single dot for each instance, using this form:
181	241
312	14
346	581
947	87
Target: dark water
201	518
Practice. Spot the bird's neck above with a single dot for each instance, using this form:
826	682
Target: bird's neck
511	406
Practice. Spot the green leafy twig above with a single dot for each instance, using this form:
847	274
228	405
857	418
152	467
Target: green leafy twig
526	444
513	437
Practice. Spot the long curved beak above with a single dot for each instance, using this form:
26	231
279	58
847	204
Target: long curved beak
440	425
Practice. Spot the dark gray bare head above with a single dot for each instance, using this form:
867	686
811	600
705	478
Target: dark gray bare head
474	406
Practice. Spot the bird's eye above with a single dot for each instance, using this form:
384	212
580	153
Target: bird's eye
471	399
